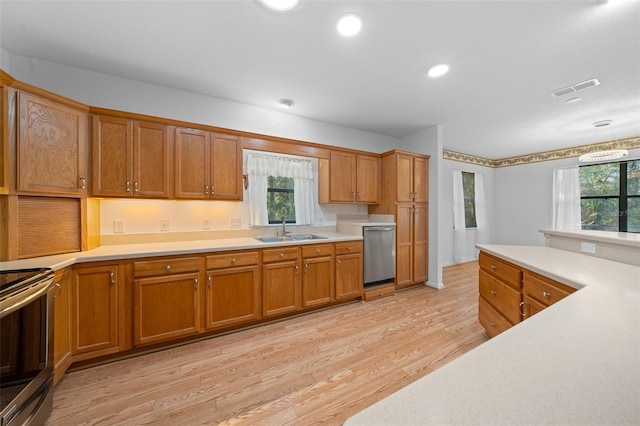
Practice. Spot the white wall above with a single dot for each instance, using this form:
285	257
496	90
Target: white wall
4	60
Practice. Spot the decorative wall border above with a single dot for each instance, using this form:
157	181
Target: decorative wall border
558	154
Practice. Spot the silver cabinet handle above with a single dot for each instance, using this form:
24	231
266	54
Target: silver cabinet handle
136	187
213	189
83	183
128	186
338	263
209	281
297	269
353	195
206	190
521	307
58	291
195	283
112	277
545	294
358	196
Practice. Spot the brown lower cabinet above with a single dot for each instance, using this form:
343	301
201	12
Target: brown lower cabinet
509	294
62	323
280	281
317	275
349	280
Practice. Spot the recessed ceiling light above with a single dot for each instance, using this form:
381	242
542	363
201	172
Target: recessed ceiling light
602	123
349	24
280	5
572	100
287	103
438	70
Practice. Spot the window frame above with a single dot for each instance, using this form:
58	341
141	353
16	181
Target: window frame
290	191
472	200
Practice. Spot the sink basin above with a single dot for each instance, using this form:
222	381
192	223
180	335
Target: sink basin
273	239
298	237
306	237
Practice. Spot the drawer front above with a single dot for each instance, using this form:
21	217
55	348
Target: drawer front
349	247
544	290
317	250
379	292
504	271
490	319
275	255
504	298
148	268
229	260
531	307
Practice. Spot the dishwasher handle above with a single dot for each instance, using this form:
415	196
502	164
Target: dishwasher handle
379	228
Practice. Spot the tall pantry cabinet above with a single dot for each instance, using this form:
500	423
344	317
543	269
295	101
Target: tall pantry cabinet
405	194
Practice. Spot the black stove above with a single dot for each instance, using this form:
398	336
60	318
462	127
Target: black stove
12	280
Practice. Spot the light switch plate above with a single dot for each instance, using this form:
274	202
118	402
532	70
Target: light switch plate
588	247
118	226
164	225
235	222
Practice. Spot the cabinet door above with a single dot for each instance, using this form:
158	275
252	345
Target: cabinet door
317	281
420	243
165	308
342	185
281	289
404	177
192	164
150	160
94	310
52	147
404	246
233	296
368	179
226	168
112	156
348	276
420	180
62	324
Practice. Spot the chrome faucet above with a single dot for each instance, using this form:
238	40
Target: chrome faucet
283	218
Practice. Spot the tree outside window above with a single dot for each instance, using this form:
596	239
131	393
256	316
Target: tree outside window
280	192
469	192
610	196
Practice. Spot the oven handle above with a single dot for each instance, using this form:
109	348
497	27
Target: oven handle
378	228
27	297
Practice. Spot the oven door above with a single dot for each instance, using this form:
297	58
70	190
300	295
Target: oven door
26	355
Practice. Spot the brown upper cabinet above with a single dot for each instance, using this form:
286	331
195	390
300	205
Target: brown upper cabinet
353	178
130	158
52	147
412	178
208	165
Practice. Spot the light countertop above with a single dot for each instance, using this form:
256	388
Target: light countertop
129	251
576	362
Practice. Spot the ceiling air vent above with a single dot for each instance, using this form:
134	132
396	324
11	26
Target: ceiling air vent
575	87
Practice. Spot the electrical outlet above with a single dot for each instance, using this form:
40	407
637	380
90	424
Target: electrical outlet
164	225
206	223
588	247
118	226
235	222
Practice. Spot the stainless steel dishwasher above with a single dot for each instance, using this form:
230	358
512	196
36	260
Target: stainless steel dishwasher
379	254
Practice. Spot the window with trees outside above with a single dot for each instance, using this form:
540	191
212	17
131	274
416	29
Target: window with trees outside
469	192
280	194
610	196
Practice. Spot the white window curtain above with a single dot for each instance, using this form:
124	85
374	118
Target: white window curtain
566	199
260	167
465	240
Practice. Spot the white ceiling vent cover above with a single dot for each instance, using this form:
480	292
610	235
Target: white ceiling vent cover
575	87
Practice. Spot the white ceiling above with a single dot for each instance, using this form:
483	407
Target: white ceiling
505	57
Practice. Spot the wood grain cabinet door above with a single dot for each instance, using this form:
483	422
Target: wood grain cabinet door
165	308
420	180
317	281
342	175
192	163
348	276
112	154
151	171
62	324
420	242
52	147
404	244
233	296
226	167
404	178
368	179
281	288
94	310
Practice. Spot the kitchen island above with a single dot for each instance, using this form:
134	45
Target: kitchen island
576	362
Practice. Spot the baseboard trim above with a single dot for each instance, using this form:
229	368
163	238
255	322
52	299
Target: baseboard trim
437	286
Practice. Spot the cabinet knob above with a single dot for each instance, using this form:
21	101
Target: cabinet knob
317	250
281	254
545	294
493	292
494	267
492	324
168	268
233	260
349	248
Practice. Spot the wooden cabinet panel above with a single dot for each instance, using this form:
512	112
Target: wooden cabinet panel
317	281
404	178
503	297
543	289
62	324
316	250
226	167
420	243
530	307
278	254
233	296
349	247
349	280
503	270
151	165
229	260
367	179
420	180
165	308
179	265
280	288
492	321
112	154
52	147
191	163
94	310
404	244
342	184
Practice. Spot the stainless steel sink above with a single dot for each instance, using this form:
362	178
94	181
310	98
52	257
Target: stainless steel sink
298	237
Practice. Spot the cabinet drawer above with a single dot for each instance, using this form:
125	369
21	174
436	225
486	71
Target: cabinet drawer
506	272
349	247
316	250
504	298
379	292
148	268
274	255
490	319
544	290
218	261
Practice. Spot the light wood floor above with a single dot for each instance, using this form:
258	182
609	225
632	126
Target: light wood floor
319	368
